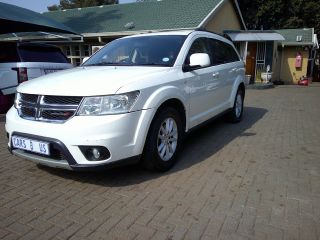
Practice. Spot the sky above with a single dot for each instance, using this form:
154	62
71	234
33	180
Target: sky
41	5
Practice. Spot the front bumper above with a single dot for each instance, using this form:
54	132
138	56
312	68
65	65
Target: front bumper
123	135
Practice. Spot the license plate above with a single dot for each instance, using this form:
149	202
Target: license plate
47	71
30	145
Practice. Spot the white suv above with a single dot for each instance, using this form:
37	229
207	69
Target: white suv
24	61
133	100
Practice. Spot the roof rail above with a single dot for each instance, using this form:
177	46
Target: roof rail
224	35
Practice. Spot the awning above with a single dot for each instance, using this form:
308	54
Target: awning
255	37
15	19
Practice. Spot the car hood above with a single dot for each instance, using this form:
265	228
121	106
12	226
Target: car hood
88	81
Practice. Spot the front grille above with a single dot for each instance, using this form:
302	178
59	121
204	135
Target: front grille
57	115
57	154
28	112
47	108
62	100
32	98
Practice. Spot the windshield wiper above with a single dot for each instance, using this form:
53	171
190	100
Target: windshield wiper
154	64
102	64
121	64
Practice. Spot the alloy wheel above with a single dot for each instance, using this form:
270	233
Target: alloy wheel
167	139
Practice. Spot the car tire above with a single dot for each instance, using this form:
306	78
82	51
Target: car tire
163	141
236	113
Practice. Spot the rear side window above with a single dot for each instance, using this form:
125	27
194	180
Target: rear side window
41	54
8	53
221	52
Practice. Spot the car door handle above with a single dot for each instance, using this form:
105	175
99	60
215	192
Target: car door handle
215	75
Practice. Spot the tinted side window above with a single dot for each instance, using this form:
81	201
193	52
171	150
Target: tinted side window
216	53
8	53
220	52
33	54
231	55
198	46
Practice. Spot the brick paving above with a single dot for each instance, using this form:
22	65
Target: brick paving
259	179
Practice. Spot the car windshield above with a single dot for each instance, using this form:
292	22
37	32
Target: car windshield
156	50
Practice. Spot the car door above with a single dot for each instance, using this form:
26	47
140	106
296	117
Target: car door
225	58
203	85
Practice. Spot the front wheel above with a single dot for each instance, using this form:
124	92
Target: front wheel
163	141
236	112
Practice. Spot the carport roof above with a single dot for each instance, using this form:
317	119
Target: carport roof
15	19
254	36
139	17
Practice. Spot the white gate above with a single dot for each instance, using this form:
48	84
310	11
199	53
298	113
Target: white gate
261	58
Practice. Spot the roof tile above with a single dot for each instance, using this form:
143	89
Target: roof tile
290	35
150	15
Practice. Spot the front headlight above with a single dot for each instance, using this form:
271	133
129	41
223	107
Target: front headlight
112	104
17	102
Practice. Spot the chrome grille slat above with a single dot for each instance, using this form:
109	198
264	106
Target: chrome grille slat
28	112
62	101
31	98
56	109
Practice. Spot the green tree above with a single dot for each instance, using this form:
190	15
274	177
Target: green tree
275	14
68	4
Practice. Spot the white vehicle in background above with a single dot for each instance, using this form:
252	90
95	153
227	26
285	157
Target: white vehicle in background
24	61
133	100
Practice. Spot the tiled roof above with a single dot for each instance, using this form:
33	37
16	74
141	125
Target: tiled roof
292	36
150	15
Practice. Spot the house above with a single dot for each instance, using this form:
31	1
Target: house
99	25
296	55
279	51
258	50
289	54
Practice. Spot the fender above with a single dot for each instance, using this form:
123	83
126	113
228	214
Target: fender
235	87
154	101
165	93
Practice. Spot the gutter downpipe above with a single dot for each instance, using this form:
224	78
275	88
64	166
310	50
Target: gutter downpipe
245	53
281	61
100	40
313	52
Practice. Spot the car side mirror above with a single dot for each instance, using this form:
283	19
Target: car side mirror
197	60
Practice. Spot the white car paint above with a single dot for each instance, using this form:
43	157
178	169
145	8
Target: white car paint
204	93
8	76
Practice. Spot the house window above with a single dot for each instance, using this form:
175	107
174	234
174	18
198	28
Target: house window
76	51
68	51
86	50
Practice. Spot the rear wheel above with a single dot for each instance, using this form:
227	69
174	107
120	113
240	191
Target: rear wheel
236	112
163	141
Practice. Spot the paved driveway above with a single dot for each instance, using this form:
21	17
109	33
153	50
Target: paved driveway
259	179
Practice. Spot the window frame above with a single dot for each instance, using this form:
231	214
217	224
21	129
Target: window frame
208	47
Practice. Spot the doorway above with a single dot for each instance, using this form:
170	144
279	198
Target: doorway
251	60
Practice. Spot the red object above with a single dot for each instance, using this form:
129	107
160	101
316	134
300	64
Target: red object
298	62
22	75
303	82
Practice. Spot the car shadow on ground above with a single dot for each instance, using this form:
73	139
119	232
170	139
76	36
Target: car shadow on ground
198	146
